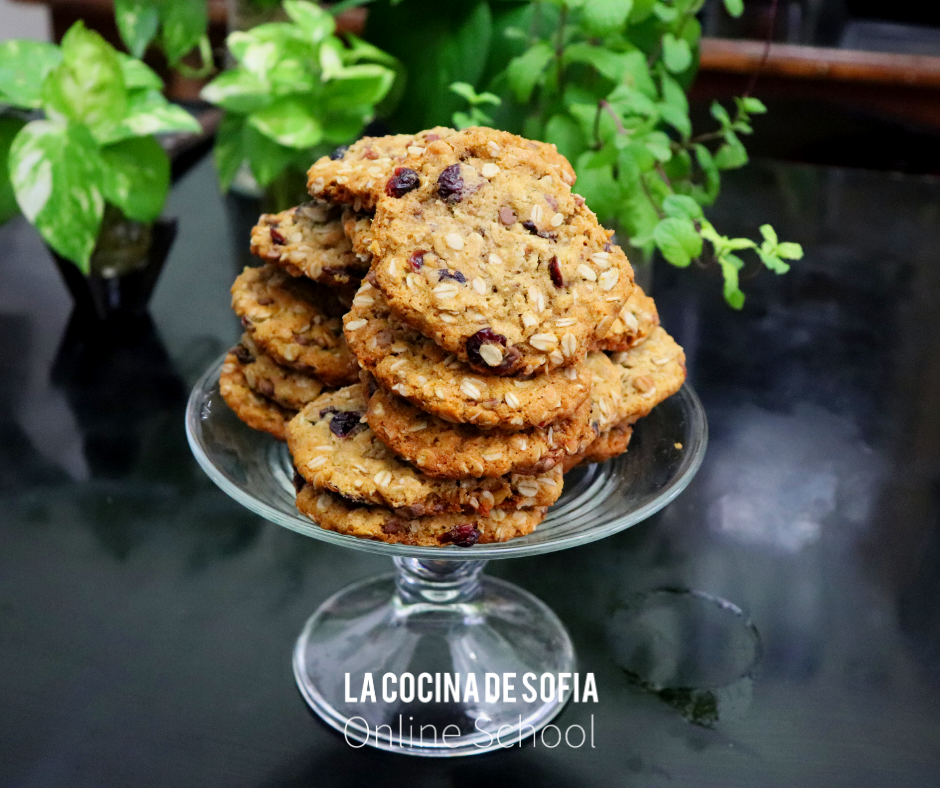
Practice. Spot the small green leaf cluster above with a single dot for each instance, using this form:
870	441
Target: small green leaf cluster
606	81
178	26
477	116
93	145
297	88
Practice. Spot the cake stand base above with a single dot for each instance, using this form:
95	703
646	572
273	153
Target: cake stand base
435	660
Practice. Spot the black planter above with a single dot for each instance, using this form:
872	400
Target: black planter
97	297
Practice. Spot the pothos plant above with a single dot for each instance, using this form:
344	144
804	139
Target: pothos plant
177	26
77	126
296	91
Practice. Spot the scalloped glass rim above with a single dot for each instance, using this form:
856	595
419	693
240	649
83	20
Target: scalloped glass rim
598	501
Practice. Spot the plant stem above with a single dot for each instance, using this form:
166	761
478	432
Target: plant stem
604	105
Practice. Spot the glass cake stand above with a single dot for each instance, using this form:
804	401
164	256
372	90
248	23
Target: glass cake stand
437	620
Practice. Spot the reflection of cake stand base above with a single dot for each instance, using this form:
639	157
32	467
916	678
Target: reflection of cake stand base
447	651
459	663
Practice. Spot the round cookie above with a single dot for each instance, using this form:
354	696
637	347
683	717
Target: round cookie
634	324
256	411
375	522
456	451
649	373
415	368
335	450
606	446
480	246
296	322
358	228
287	387
356	174
308	241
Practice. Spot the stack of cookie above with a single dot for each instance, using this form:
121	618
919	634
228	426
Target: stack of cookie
500	337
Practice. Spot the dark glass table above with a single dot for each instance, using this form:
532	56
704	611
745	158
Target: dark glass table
777	625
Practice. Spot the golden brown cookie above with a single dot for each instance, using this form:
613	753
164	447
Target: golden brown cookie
335	450
415	368
649	373
309	241
256	411
455	451
296	322
288	387
605	447
358	228
634	324
479	245
439	530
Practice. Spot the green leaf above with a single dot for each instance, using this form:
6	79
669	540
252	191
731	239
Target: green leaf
56	174
675	106
317	23
677	55
665	13
88	85
184	23
626	100
601	17
288	122
657	143
565	132
524	71
729	270
598	187
137	22
752	105
720	114
138	75
136	177
362	84
266	158
790	251
237	90
24	65
769	234
150	113
462	120
710	170
678	240
9	128
680	206
229	150
734	7
732	154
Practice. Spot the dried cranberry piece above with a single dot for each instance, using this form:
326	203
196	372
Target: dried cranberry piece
432	137
339	152
346	423
403	181
393	527
554	270
530	226
265	387
512	358
299	481
507	215
465	535
246	323
277	238
455	275
265	300
417	259
608	246
243	354
450	185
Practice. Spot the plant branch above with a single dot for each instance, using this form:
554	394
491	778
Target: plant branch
603	104
752	83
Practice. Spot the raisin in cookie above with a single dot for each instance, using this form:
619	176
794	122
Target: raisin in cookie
256	411
296	322
309	240
485	250
649	373
287	387
335	450
356	174
455	451
417	369
634	324
437	530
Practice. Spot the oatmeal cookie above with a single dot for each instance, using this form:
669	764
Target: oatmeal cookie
649	373
634	324
375	522
455	451
296	322
334	449
256	411
287	387
480	246
417	369
358	228
606	446
309	241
